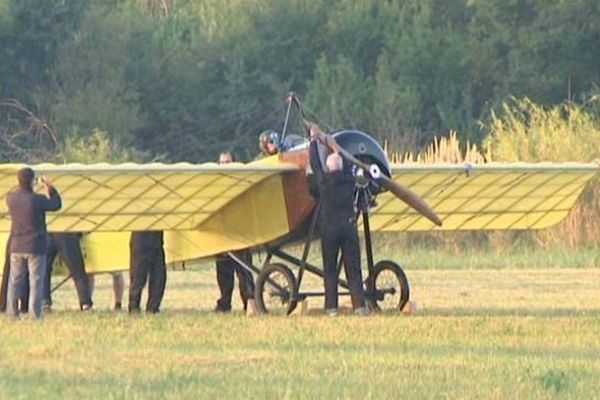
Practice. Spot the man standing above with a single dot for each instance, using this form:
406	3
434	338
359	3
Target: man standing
67	246
226	266
146	263
29	240
225	269
337	222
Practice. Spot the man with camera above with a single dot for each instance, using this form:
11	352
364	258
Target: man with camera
29	240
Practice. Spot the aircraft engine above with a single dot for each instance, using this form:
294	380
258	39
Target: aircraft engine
366	149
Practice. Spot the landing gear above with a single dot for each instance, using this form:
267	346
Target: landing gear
389	286
386	286
276	290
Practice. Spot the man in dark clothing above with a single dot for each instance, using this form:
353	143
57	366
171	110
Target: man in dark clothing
67	246
147	263
227	265
337	223
28	240
225	269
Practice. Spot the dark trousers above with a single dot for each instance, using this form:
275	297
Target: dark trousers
226	266
67	246
344	237
24	300
147	264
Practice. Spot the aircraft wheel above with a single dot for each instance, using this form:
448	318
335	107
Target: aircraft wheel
389	278
275	290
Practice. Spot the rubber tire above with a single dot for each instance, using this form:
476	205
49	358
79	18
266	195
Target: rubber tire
262	280
403	286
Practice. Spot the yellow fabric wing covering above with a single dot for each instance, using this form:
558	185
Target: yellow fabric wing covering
207	209
137	197
484	197
203	209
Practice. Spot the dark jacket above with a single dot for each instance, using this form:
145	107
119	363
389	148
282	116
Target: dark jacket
336	191
337	198
28	219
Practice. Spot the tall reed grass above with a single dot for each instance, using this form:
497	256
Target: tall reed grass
523	131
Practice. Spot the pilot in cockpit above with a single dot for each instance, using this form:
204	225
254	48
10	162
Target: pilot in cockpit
268	143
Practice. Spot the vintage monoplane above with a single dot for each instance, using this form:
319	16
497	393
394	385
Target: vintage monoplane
207	209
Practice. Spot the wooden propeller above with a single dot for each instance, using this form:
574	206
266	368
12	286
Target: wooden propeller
406	195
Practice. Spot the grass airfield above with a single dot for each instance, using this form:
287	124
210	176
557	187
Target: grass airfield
491	334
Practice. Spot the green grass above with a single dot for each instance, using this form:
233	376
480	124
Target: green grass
471	250
517	258
511	333
472	255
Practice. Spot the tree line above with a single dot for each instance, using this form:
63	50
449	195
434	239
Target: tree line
179	80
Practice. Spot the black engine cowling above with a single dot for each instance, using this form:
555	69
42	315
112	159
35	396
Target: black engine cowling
365	148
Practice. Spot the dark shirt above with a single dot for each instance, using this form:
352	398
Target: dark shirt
336	190
28	216
337	198
146	240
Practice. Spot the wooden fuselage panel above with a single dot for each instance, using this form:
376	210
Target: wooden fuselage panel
298	200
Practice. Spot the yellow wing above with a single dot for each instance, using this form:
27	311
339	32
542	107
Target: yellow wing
128	197
207	209
203	209
491	196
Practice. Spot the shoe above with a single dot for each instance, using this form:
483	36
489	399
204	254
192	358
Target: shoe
118	306
47	308
86	307
362	311
332	312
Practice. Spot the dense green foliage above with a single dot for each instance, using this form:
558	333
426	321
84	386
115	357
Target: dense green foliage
180	80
